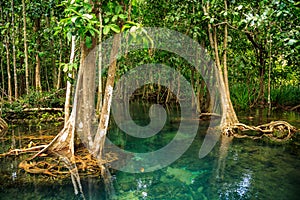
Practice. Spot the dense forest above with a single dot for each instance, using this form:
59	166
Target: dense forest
262	45
56	65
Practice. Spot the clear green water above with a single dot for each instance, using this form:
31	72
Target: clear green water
246	170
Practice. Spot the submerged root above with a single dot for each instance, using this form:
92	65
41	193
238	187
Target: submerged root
278	131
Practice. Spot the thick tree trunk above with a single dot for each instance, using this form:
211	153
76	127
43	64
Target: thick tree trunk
228	114
105	112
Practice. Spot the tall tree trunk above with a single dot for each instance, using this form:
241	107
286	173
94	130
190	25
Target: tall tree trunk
99	93
2	83
105	111
8	69
261	98
38	85
228	114
225	51
14	49
269	78
59	67
69	86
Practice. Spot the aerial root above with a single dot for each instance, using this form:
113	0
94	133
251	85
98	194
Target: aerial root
278	131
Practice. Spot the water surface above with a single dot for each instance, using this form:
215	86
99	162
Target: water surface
245	169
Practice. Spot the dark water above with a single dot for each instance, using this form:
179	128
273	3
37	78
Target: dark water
245	170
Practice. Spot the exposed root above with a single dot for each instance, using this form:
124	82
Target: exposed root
278	131
62	166
22	151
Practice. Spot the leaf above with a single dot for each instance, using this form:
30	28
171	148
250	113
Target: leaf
65	67
69	35
118	9
92	32
88	42
291	42
122	16
115	28
240	7
73	19
88	16
106	20
125	26
133	2
115	17
106	29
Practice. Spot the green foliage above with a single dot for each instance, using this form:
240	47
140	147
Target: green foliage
286	95
240	96
273	26
79	20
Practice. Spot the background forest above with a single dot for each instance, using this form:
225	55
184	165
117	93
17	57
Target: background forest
262	46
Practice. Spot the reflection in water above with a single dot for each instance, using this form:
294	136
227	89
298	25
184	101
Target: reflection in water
236	169
223	152
244	185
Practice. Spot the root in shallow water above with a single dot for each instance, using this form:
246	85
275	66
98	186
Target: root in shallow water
278	131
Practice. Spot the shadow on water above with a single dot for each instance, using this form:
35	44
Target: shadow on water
237	169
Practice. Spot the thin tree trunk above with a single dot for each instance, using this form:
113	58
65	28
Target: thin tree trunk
2	84
8	69
269	78
69	86
99	99
193	86
14	49
178	88
228	114
261	78
105	111
225	51
59	67
37	57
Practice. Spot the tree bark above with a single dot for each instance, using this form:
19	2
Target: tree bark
99	98
269	78
228	114
25	47
59	67
104	118
14	50
225	51
37	57
8	69
69	86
